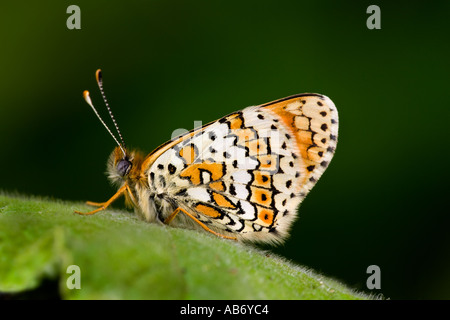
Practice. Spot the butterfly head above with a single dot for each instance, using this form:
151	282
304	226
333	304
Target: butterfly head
123	166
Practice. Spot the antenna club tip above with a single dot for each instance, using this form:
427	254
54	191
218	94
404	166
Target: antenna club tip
98	75
85	94
86	97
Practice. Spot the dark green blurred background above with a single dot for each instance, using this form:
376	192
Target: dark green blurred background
383	199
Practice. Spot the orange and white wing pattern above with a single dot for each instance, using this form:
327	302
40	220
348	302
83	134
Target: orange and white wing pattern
246	174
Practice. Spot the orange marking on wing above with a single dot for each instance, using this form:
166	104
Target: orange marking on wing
292	111
217	185
305	137
152	156
268	162
207	210
265	215
315	153
188	154
193	171
256	147
222	201
262	179
261	196
236	122
245	135
304	142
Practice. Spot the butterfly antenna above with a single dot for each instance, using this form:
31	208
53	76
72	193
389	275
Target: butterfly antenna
98	76
87	98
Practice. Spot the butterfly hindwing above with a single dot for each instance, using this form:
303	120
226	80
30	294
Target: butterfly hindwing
246	173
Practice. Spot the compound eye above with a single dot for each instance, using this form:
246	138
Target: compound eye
123	167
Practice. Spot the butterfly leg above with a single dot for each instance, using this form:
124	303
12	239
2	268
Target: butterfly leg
174	214
104	205
95	204
100	204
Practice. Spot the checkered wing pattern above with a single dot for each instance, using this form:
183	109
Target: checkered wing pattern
246	173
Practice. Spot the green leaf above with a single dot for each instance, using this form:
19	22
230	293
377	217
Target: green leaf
121	257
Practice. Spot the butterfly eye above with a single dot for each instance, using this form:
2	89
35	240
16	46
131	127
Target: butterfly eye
123	167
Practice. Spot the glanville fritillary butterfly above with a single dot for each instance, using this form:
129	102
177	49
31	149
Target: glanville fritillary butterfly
241	177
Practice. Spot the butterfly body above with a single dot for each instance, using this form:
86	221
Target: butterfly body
242	176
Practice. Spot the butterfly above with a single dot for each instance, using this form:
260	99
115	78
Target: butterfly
241	177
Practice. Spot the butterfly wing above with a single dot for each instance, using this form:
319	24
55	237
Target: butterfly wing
246	173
